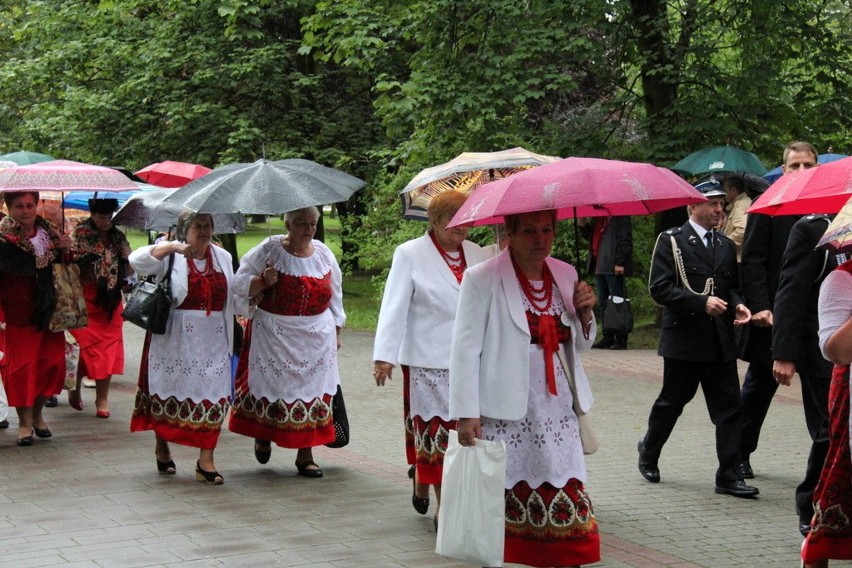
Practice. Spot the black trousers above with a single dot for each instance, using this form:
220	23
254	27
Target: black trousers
815	401
759	386
721	387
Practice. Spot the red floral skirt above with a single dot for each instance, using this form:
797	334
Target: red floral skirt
831	527
186	422
551	526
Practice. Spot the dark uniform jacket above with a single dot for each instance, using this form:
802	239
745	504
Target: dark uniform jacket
763	248
616	248
688	332
795	333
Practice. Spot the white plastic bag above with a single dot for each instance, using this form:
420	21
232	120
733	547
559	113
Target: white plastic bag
472	518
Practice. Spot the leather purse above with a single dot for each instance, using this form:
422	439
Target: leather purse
149	303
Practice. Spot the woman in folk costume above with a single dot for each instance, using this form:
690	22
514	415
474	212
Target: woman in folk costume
831	527
517	311
185	374
415	331
33	367
291	288
101	251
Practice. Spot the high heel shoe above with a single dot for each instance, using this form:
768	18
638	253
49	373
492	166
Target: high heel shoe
166	468
209	477
24	442
75	400
102	413
262	450
420	504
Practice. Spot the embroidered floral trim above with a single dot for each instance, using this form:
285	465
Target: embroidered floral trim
316	266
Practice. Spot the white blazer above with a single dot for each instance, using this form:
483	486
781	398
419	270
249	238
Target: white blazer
489	359
419	305
145	264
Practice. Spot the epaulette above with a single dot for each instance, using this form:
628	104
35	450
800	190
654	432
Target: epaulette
814	216
673	230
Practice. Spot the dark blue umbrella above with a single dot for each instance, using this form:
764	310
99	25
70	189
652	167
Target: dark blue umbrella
773	175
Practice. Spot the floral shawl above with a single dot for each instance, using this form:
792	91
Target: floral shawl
19	257
105	261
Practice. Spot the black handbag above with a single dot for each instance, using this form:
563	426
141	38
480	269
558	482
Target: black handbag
149	303
617	317
341	421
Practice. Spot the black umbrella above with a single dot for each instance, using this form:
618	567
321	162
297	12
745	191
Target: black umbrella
266	188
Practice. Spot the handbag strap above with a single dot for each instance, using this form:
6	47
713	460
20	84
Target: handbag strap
164	283
571	383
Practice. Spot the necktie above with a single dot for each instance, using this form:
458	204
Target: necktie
709	236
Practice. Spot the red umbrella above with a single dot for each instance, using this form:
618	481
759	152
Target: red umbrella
579	187
823	189
172	174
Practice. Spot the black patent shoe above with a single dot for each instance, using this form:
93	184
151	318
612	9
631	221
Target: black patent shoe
262	450
647	467
25	442
420	504
737	488
43	432
744	470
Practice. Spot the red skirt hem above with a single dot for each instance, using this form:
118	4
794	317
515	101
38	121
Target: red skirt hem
295	440
203	440
543	554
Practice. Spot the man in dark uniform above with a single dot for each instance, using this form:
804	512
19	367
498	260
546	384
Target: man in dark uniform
763	249
694	277
795	344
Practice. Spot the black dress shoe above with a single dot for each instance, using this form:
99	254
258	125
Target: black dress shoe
52	402
744	469
647	467
737	488
262	450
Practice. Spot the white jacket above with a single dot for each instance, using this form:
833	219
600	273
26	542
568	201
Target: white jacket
489	360
419	305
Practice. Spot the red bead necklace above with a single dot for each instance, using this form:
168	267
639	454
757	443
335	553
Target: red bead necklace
456	264
209	270
540	298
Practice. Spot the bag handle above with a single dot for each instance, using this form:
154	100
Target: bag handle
168	275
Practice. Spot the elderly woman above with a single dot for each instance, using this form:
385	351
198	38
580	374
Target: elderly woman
101	251
33	368
290	287
185	374
507	382
831	528
415	331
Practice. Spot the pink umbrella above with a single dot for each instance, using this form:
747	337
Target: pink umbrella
579	187
63	175
823	189
172	174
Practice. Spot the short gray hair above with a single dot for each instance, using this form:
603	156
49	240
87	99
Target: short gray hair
312	211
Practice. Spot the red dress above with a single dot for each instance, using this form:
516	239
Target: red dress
101	341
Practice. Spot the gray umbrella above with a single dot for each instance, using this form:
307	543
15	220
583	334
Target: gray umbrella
266	188
148	211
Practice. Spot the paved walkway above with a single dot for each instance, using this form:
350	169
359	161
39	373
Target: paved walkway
91	495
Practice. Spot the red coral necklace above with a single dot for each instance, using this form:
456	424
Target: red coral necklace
540	298
455	261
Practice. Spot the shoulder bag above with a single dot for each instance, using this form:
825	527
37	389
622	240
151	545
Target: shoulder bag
149	303
70	309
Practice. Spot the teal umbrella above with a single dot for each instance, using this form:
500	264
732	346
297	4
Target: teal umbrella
720	159
24	158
